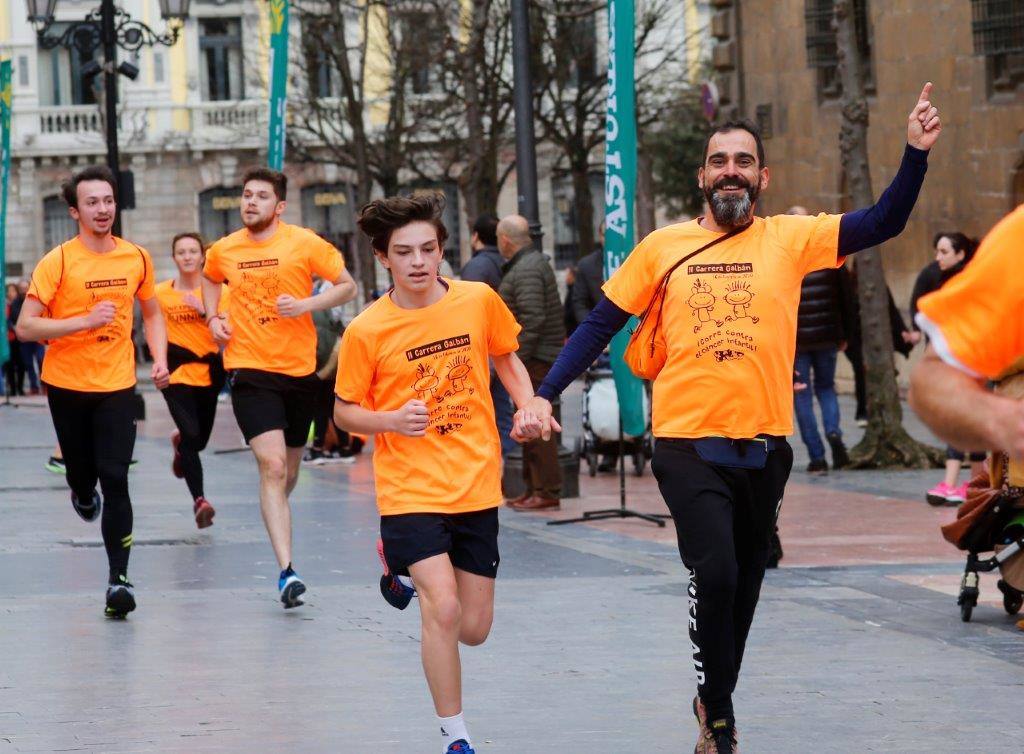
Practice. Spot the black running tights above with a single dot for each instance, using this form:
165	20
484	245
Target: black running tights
96	432
724	518
193	410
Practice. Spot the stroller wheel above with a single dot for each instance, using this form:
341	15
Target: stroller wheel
967	600
592	463
639	462
1013	600
965	612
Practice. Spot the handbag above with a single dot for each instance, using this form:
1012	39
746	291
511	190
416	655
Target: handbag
647	350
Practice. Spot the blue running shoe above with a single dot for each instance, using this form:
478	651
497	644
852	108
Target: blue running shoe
398	591
120	598
460	747
291	588
89	511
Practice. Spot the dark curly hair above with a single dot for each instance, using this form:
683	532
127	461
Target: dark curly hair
381	217
959	242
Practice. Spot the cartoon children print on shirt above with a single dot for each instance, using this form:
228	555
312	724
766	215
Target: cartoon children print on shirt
727	342
116	292
258	292
442	380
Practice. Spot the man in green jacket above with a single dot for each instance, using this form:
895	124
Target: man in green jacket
529	289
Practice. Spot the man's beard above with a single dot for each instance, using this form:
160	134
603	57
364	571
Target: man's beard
258	225
730	211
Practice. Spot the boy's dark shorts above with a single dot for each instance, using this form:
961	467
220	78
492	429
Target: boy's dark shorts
264	401
470	539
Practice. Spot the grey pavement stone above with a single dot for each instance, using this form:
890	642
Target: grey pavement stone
588	653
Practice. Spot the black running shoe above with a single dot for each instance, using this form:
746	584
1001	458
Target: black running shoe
397	591
723	737
88	511
291	588
120	598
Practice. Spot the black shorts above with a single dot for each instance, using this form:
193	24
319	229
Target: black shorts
470	539
264	401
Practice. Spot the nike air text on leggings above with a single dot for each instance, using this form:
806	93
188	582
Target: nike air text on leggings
724	517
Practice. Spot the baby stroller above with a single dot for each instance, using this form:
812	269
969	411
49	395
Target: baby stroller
601	422
991	520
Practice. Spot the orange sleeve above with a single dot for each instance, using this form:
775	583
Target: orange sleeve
813	239
46	278
324	259
356	366
147	287
974	321
632	285
212	267
502	328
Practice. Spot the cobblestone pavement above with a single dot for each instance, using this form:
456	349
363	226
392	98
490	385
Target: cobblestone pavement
857	645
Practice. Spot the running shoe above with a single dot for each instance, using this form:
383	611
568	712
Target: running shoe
398	591
818	466
89	511
718	737
341	456
120	598
314	457
203	512
291	588
943	494
176	467
56	465
460	747
959	494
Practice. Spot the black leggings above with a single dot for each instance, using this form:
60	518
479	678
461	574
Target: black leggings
96	432
193	410
724	518
324	416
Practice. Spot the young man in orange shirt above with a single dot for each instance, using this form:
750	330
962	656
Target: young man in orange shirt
722	403
416	376
196	366
271	343
81	301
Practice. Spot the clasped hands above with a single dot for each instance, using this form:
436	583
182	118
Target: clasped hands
534	420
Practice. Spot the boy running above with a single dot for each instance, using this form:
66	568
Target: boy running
416	375
80	301
271	343
197	370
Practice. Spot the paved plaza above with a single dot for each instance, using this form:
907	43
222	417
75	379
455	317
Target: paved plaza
857	645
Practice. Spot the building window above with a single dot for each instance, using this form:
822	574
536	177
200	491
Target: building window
566	233
219	212
220	49
23	70
998	30
576	34
416	50
327	209
763	115
821	45
57	223
60	75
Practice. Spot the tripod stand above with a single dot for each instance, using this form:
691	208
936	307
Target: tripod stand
622	511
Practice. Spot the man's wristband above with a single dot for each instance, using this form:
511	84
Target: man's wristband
215	316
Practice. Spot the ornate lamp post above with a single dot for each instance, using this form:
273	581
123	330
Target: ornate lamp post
108	27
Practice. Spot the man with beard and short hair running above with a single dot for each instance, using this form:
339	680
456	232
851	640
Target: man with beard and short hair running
81	301
723	400
197	370
271	343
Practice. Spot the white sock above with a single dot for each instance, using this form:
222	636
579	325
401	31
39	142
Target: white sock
452	729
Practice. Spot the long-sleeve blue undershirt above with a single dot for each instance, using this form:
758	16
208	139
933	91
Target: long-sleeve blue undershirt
858	230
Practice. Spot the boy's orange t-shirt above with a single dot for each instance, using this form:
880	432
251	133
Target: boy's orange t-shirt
976	320
729	321
258	272
438	354
187	328
69	281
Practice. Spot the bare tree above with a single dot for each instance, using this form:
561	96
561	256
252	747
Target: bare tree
885	443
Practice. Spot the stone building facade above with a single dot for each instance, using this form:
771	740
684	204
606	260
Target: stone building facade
773	64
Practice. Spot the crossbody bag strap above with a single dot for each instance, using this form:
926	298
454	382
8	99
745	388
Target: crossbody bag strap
663	285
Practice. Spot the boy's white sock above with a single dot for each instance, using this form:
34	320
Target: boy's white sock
452	729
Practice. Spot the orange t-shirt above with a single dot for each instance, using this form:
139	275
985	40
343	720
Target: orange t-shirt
69	281
729	321
438	354
187	328
976	320
258	272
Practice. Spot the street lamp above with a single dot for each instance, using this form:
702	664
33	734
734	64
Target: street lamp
109	27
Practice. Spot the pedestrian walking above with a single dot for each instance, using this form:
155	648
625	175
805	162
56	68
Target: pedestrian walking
197	369
530	291
81	302
415	376
270	342
721	353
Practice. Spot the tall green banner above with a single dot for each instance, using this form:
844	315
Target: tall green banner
5	174
278	81
619	192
